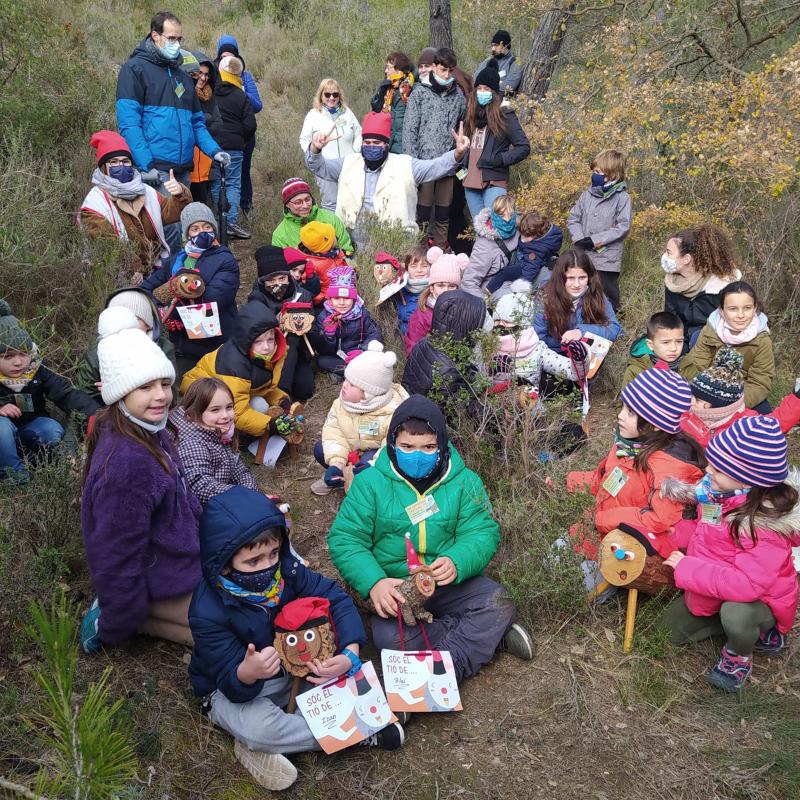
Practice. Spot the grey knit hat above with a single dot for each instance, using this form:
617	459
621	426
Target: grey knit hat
197	212
12	335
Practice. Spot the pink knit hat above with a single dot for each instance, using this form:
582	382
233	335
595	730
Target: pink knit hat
342	283
446	267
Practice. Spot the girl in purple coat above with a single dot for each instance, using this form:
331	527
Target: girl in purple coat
737	572
138	514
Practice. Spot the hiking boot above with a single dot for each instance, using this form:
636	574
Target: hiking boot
731	671
235	232
518	642
320	488
771	642
270	770
390	738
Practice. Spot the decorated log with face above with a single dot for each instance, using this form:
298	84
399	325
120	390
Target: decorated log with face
304	632
387	269
627	559
297	318
187	284
417	588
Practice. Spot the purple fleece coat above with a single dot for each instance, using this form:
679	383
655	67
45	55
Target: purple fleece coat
140	530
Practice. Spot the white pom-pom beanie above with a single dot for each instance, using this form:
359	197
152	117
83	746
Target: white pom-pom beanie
128	357
373	371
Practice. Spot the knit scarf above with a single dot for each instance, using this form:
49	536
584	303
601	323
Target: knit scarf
354	313
402	81
18	384
204	93
576	301
229	77
610	188
119	191
732	337
417	285
687	285
626	448
519	346
270	597
716	417
378	401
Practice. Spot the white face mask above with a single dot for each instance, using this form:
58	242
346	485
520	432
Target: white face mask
669	265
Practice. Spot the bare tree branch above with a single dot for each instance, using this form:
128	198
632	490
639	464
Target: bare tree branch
701	43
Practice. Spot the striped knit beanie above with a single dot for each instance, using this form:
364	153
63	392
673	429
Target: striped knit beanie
292	187
659	396
752	450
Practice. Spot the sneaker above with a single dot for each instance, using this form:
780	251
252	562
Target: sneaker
270	770
771	642
320	488
518	642
390	738
403	717
235	232
731	671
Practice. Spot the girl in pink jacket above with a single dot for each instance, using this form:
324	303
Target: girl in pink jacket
737	573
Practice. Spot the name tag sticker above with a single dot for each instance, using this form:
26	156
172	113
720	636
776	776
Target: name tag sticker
615	481
422	509
24	402
461	174
368	428
179	89
711	513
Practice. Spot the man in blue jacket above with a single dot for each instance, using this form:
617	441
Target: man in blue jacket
159	114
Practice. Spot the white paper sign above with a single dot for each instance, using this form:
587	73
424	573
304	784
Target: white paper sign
391	289
420	680
274	448
201	321
344	712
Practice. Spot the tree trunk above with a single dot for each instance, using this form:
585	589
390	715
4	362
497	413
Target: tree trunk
440	24
544	51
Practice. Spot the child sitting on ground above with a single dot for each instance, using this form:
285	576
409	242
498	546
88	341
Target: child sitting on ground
356	426
417	269
738	577
662	342
456	535
446	270
739	323
318	243
25	386
539	243
648	449
302	271
344	322
250	575
496	239
208	443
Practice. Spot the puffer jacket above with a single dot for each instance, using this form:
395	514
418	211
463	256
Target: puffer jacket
429	118
223	625
759	358
347	335
245	375
345	430
161	128
238	119
367	538
406	304
607	220
321	266
487	257
287	234
639	503
717	570
529	260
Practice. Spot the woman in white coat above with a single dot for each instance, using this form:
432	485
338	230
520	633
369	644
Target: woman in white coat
330	111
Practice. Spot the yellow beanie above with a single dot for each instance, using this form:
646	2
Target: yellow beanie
318	237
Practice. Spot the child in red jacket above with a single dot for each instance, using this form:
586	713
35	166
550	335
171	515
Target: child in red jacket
737	574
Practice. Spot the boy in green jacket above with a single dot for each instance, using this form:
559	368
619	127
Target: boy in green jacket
420	485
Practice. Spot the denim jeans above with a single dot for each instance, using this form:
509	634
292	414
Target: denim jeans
233	185
33	437
172	232
478	199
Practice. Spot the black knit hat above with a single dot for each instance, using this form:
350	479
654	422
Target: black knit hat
489	76
502	37
723	382
270	260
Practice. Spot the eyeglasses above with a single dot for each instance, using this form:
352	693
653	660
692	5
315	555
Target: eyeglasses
119	162
300	201
329	95
172	39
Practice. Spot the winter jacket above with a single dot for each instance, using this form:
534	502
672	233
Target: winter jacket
87	373
639	503
223	625
398	113
287	234
238	120
406	304
609	331
321	266
220	271
642	358
345	431
367	538
429	119
607	220
510	71
717	570
211	467
348	131
202	163
488	256
245	375
759	360
500	153
140	531
348	335
248	81
160	127
529	260
419	326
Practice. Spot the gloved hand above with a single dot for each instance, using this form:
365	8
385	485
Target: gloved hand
334	477
223	158
586	243
90	624
151	176
360	466
331	324
285	424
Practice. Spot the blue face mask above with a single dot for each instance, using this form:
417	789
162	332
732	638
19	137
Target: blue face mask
705	494
443	81
171	50
598	179
505	227
258	581
373	153
202	241
123	174
416	464
484	97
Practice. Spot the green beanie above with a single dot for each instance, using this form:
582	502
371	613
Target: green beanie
12	335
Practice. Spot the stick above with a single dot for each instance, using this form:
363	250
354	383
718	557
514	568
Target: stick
308	345
630	619
291	706
597	591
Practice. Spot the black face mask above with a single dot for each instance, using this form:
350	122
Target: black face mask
258	581
278	291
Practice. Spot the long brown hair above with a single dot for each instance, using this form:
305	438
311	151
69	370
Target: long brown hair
112	420
558	309
772	502
197	399
654	440
492	115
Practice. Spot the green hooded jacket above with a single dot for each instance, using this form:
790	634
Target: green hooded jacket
287	234
642	357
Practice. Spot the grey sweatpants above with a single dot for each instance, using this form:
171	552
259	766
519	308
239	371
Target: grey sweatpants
261	723
742	623
469	620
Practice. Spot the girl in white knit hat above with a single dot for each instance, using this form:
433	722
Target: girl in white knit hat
358	421
138	514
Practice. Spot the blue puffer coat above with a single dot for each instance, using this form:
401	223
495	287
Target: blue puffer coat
406	303
158	112
351	334
223	625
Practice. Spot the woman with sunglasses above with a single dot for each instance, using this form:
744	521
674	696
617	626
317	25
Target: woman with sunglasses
332	117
